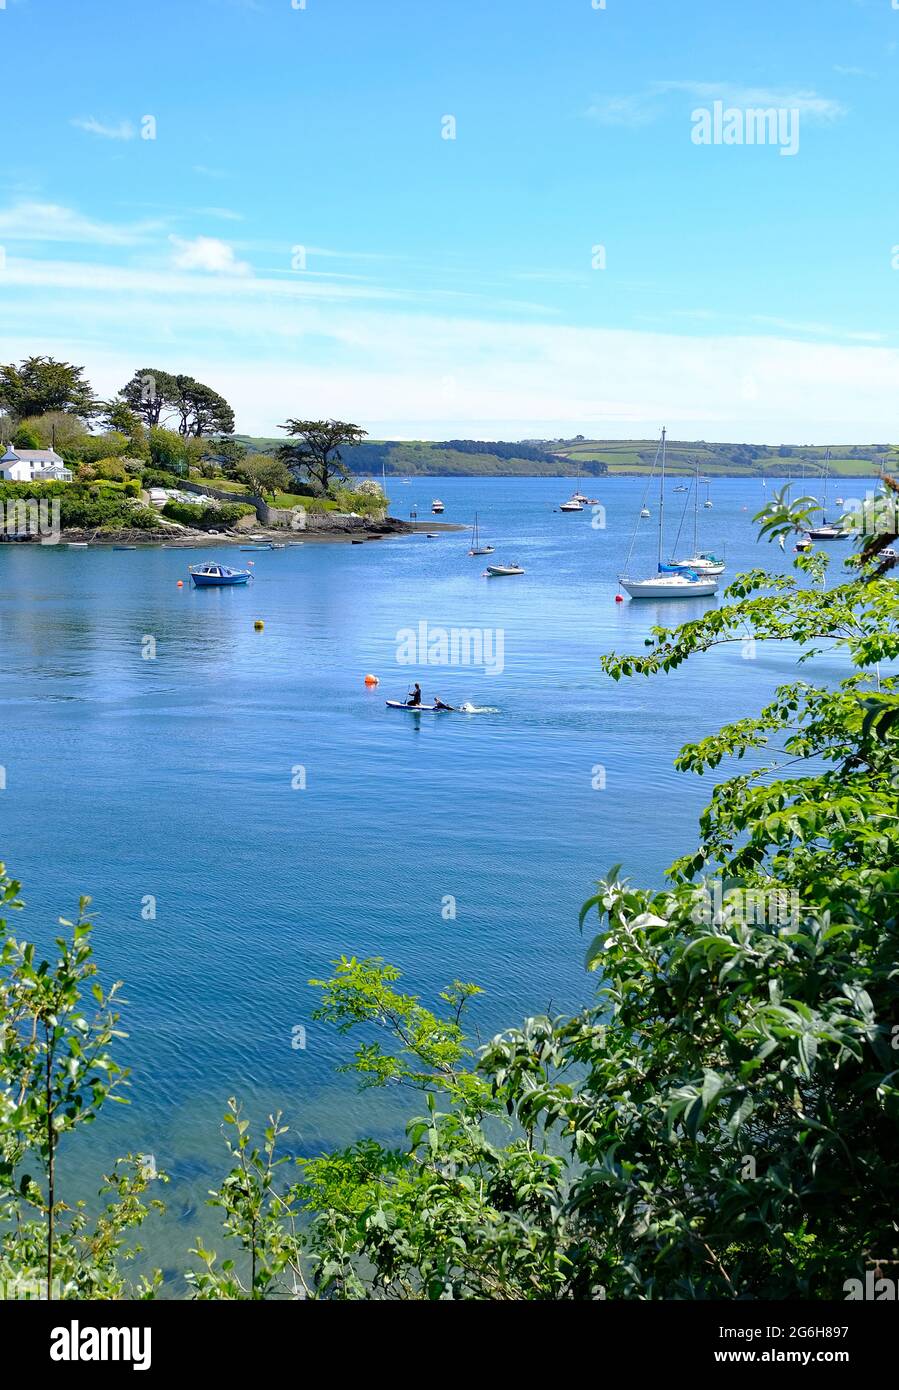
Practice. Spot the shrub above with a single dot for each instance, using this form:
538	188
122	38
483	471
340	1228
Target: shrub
206	518
159	477
100	448
112	468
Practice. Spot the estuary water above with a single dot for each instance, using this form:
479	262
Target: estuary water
243	810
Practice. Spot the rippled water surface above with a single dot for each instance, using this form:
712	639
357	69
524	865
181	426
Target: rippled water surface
173	778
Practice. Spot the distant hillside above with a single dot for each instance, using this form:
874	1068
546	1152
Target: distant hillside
789	460
595	457
453	458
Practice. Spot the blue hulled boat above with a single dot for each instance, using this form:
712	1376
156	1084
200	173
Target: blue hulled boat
204	576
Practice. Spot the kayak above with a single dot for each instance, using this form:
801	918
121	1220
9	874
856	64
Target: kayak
414	709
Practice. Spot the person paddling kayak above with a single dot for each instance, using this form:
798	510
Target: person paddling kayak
414	696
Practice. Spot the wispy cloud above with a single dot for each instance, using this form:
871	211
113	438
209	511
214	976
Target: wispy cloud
208	253
123	131
642	108
822	330
31	221
224	214
808	103
639	109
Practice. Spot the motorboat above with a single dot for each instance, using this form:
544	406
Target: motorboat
702	563
497	571
212	574
437	506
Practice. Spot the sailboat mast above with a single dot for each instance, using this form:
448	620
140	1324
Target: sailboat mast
696	512
661	497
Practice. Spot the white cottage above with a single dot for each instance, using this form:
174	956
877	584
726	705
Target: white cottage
33	465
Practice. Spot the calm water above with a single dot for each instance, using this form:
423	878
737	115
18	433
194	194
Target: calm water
173	778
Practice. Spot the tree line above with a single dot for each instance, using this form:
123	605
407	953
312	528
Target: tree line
170	419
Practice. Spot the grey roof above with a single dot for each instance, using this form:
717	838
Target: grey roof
32	455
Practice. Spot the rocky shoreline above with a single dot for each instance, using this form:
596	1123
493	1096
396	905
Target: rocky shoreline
182	538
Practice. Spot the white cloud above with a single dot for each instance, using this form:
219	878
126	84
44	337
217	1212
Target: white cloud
281	346
208	253
123	131
34	221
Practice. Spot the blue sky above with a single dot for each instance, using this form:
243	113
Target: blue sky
446	286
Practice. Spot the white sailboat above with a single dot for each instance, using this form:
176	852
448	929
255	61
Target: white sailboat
476	547
828	530
708	501
701	562
667	582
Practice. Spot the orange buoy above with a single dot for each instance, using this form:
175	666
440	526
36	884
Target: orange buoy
180	583
371	680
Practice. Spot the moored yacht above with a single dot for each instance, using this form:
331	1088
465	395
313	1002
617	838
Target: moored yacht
669	581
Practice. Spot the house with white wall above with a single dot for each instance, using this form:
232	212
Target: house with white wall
33	466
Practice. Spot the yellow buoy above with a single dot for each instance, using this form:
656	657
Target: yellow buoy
259	625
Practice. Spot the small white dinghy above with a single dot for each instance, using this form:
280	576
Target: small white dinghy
497	571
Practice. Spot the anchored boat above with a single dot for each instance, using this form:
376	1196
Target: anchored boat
211	574
828	530
476	547
702	562
668	581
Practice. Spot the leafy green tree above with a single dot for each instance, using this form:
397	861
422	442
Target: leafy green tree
38	385
258	1217
26	437
148	393
65	433
168	450
155	396
118	417
201	410
316	455
263	475
56	1072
